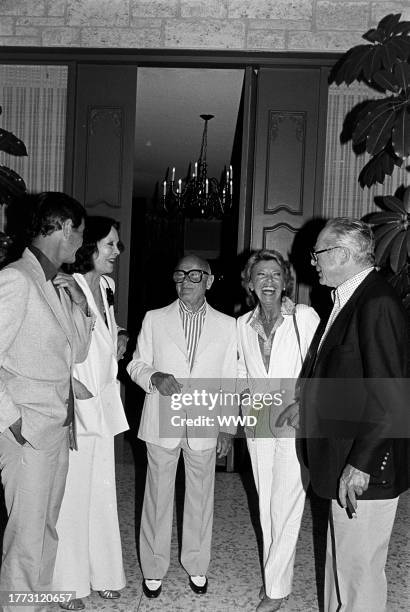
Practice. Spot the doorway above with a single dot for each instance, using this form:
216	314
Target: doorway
168	134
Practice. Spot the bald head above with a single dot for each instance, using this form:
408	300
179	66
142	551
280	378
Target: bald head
196	263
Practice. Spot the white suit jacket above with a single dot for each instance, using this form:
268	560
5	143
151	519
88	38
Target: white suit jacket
161	347
41	337
103	414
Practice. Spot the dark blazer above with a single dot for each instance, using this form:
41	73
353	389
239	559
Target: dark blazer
354	401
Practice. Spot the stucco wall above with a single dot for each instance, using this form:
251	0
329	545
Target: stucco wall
270	25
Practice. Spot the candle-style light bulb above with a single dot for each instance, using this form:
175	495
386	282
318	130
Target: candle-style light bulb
196	169
206	186
164	188
179	186
230	172
173	175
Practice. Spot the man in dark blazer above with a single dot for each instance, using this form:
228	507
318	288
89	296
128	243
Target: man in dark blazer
353	408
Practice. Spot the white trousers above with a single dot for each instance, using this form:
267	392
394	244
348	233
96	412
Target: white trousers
356	553
89	550
157	510
278	480
33	482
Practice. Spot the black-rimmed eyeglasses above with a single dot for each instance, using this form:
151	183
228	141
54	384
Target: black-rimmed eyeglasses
314	254
195	276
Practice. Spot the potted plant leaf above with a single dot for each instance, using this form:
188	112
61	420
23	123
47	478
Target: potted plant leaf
12	186
381	126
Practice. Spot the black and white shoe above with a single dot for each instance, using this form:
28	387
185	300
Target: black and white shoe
152	588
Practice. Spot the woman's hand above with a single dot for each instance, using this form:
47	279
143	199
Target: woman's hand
122	342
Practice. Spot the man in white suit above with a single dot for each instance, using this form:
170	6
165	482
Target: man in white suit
45	328
181	347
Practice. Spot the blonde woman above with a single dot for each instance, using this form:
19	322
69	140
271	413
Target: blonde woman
273	339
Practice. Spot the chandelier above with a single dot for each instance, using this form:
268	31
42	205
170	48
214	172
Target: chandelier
198	195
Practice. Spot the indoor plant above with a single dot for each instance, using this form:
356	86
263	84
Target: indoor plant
12	186
381	126
11	183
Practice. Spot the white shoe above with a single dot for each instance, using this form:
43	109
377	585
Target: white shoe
198	581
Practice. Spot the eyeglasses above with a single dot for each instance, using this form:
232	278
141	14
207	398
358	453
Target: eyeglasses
314	254
195	276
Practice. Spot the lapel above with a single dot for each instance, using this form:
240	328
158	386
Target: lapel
109	309
174	327
105	332
310	360
254	349
209	332
340	324
48	291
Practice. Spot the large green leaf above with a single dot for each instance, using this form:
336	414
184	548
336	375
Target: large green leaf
383	246
372	62
391	203
9	143
11	185
350	65
380	231
380	133
374	35
398	253
406	200
401	133
371	114
386	80
388	57
388	23
399	47
377	168
376	218
402	28
401	72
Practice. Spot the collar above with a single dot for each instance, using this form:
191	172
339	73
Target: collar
189	312
344	291
287	308
47	266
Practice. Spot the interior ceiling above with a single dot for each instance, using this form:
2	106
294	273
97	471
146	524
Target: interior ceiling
168	124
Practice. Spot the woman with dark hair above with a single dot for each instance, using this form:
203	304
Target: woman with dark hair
272	341
89	554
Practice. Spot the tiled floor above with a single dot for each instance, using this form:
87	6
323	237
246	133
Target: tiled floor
234	574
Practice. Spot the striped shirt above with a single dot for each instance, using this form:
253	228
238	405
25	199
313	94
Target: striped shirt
265	342
192	323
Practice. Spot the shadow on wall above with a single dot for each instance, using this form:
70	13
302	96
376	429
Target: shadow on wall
306	274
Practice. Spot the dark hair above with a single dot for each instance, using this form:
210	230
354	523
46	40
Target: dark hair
48	211
96	228
266	255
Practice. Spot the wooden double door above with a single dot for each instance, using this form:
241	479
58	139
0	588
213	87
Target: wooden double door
282	150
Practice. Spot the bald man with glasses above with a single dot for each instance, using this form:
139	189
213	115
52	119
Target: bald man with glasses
184	348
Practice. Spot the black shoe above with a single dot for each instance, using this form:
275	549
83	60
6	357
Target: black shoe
198	590
150	592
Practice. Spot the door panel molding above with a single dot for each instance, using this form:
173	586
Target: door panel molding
285	157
